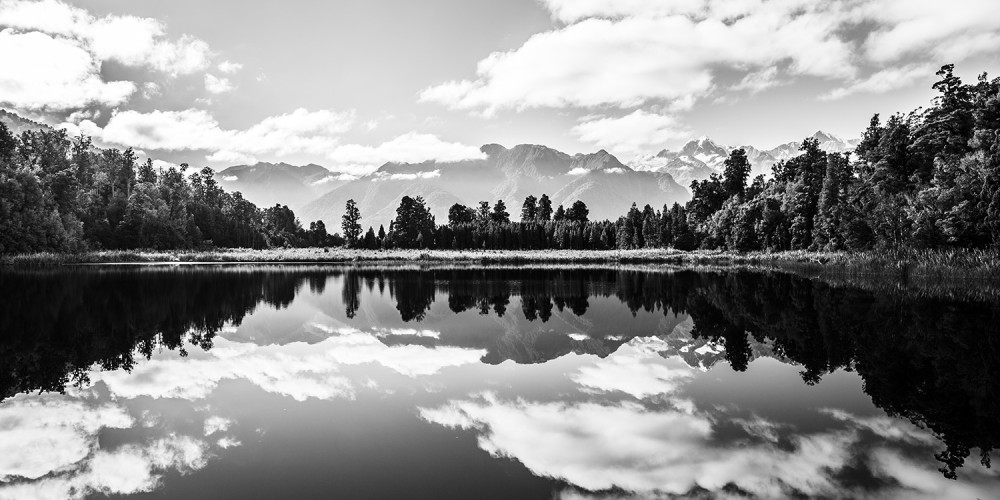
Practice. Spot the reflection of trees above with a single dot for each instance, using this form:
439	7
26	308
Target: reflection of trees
933	361
351	294
55	325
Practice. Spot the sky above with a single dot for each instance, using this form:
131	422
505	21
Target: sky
351	84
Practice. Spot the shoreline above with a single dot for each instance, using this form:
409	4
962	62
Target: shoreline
963	264
957	274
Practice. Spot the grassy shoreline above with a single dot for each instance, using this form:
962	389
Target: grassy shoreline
951	264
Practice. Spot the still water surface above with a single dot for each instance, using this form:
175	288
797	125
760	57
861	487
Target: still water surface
343	382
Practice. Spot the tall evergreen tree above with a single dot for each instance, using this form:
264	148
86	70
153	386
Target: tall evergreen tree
351	223
544	208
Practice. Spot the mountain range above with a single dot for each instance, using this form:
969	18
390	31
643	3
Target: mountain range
700	158
605	184
267	184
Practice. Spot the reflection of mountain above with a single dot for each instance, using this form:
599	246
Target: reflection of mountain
55	325
599	179
932	361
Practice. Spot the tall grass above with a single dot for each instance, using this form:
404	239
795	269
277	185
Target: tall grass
929	265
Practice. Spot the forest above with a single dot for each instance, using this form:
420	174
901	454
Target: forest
59	194
928	179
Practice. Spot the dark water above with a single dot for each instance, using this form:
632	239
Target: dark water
337	382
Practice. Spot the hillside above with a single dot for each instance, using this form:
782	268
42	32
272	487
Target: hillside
606	185
267	184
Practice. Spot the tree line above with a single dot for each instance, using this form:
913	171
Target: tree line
927	179
62	194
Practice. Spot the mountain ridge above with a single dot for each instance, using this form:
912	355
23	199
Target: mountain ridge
603	182
698	159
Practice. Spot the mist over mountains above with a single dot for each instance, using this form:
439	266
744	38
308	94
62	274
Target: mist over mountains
510	174
607	185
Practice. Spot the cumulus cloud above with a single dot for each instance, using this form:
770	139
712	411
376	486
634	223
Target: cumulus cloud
301	131
578	171
229	67
130	40
217	85
40	72
51	55
630	133
634	52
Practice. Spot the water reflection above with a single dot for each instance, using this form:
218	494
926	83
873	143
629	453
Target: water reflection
595	381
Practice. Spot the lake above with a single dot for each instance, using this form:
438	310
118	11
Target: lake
504	382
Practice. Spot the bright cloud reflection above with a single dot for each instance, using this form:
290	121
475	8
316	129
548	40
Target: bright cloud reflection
651	446
49	449
297	370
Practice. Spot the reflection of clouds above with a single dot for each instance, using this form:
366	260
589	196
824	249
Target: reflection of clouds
59	432
215	424
635	369
407	332
298	370
916	482
759	428
600	447
49	448
674	448
886	427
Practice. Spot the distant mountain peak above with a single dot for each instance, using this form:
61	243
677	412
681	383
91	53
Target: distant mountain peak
822	136
492	149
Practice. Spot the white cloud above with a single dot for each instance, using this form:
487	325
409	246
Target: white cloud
884	81
217	85
216	423
628	53
633	60
577	171
151	89
943	31
130	40
51	55
630	133
301	131
38	71
383	176
229	67
410	147
759	81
